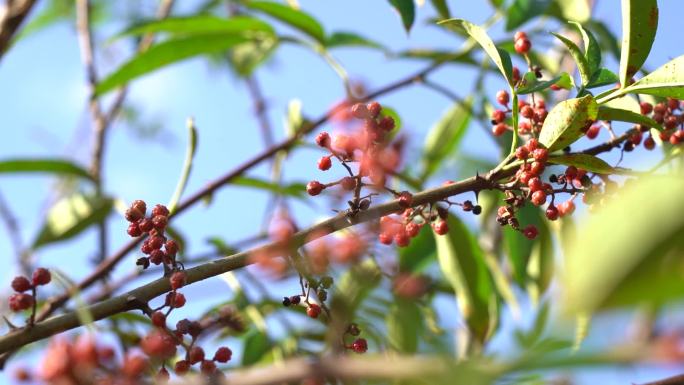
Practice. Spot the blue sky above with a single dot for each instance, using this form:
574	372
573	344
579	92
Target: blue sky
44	113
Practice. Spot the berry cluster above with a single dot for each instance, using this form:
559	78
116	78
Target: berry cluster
670	115
534	114
359	345
369	147
20	300
320	287
154	227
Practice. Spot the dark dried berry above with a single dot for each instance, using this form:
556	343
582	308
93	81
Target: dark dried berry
21	284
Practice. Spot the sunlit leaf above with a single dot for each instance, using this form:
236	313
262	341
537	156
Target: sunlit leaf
442	8
565	123
520	11
530	83
640	261
419	254
580	60
295	190
608	113
71	216
592	51
202	25
256	345
293	17
500	57
518	248
666	81
38	165
639	25
351	39
602	77
584	161
574	10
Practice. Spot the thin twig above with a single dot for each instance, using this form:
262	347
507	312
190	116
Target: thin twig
11	17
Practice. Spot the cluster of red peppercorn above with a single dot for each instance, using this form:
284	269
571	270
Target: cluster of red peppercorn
320	287
161	343
534	113
369	147
20	300
670	115
359	345
154	226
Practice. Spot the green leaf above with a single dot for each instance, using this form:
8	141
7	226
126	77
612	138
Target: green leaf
566	121
640	262
500	57
445	136
608	113
666	81
407	11
404	325
71	216
256	345
352	288
351	39
44	165
202	25
442	8
639	25
462	264
592	50
419	254
541	263
295	190
163	54
580	60
293	17
530	83
583	161
520	11
602	77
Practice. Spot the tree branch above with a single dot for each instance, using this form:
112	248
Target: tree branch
11	18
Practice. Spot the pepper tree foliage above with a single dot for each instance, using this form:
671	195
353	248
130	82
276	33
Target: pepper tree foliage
403	241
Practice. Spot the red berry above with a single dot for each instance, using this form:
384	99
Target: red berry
674	140
536	168
649	143
160	210
195	355
160	221
323	139
522	46
133	214
175	299
519	35
208	367
527	112
412	229
158	319
540	154
530	232
670	122
20	301
374	109
405	199
387	123
360	345
571	172
139	205
134	230
521	153
672	104
314	188
660	109
158	344
177	280
538	198
646	108
134	366
516	75
181	367
385	238
532	144
145	225
499	129
313	310
535	184
540	104
21	284
156	256
402	239
156	242
348	183
440	227
593	131
502	97
552	213
359	111
171	247
223	354
324	163
41	277
498	116
566	208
